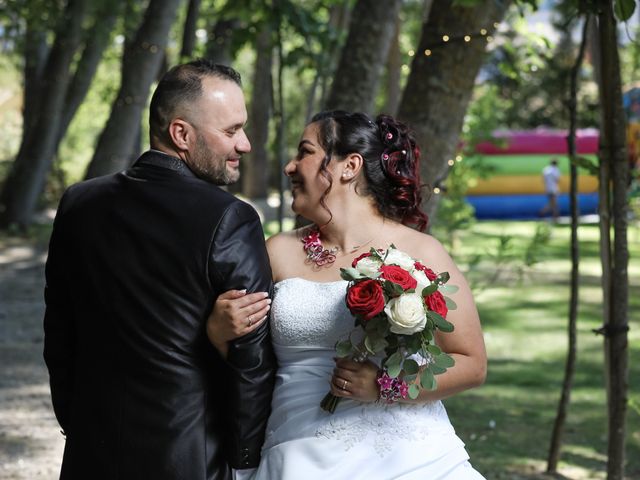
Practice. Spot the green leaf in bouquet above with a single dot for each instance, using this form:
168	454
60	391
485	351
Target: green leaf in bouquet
410	367
376	254
414	391
393	343
440	322
434	350
426	333
413	343
375	343
436	369
443	361
377	326
427	380
451	305
443	277
393	364
393	289
448	289
428	290
350	274
344	348
410	378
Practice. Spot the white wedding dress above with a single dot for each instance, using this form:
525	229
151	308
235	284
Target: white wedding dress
360	440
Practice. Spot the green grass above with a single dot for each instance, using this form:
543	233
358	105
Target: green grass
507	423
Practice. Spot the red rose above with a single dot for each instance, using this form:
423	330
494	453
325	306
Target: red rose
398	275
431	275
364	255
436	303
365	298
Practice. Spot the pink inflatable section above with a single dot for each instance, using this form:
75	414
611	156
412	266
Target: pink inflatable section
538	141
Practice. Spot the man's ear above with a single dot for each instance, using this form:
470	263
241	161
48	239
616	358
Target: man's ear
351	166
182	134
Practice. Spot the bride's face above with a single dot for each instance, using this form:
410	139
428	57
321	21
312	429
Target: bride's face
308	183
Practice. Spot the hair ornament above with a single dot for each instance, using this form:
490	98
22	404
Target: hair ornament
385	156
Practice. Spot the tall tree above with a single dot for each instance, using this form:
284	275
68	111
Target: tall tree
450	53
189	31
220	41
614	181
570	365
255	177
97	36
364	55
27	176
394	68
141	61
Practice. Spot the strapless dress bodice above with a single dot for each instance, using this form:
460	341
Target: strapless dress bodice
359	440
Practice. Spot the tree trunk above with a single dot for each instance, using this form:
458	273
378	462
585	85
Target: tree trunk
36	51
441	81
28	172
394	68
326	60
219	43
613	153
255	175
189	32
364	55
140	65
98	39
570	366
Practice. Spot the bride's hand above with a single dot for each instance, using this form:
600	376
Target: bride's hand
355	380
235	314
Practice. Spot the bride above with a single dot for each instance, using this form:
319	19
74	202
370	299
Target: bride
358	181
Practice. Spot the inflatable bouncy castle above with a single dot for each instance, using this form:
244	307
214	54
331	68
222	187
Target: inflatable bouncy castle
515	188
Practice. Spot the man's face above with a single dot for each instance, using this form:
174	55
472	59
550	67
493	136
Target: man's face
218	118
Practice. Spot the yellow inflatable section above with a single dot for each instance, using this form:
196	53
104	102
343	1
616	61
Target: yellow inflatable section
527	184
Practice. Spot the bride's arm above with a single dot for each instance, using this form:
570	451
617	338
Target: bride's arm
465	344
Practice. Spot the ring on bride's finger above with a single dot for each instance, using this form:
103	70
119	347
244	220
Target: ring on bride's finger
249	320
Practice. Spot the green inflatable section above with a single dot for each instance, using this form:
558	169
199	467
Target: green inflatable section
524	164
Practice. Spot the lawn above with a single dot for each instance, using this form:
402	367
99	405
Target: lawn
507	423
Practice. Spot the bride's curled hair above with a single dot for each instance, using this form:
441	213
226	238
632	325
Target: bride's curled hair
390	156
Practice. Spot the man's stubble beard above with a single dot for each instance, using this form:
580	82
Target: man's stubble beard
206	166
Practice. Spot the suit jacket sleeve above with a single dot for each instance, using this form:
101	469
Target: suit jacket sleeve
59	323
239	260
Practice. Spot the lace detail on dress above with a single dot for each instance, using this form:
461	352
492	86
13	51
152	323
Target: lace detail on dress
320	316
385	424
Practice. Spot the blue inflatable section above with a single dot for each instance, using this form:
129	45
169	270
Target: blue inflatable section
524	207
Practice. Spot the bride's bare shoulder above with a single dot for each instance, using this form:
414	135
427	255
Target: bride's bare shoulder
425	247
284	240
285	252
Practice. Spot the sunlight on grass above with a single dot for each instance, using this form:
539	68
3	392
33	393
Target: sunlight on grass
524	316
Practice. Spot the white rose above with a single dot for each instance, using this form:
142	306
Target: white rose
422	280
406	314
396	257
368	266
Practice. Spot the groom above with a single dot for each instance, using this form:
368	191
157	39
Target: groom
136	261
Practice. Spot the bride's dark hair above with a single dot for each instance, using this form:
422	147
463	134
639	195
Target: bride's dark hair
390	156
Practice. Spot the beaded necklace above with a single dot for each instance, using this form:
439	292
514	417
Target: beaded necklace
316	253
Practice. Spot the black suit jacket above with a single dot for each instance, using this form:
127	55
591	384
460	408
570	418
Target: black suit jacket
136	261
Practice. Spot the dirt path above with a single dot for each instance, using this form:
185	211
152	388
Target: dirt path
30	442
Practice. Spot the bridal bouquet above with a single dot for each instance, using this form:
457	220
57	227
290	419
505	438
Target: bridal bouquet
398	303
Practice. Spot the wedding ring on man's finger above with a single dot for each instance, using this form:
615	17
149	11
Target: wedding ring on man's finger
344	385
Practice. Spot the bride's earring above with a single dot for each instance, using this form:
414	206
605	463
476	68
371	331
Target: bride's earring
347	175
